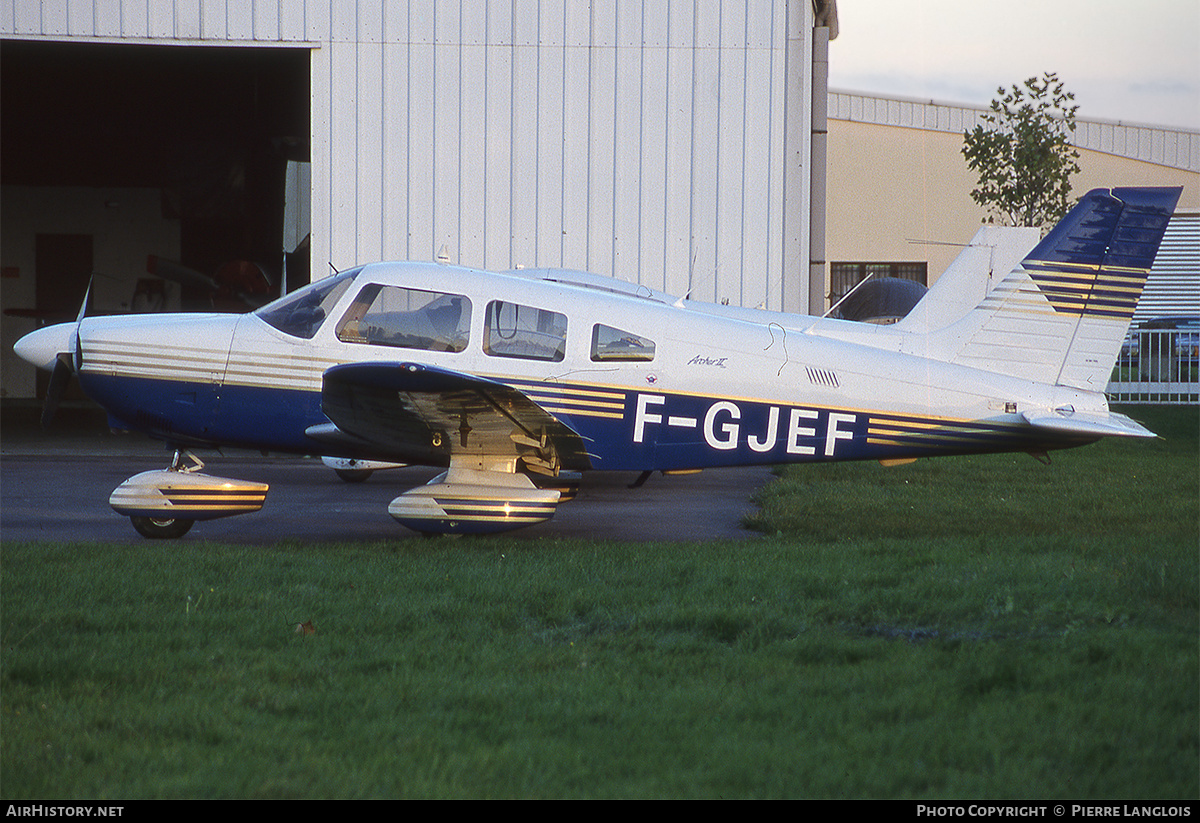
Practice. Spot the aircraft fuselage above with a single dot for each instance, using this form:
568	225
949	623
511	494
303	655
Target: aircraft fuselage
693	390
518	381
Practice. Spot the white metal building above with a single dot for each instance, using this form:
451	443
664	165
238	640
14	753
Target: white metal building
899	188
673	144
900	204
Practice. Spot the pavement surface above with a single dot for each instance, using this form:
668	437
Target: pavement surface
55	484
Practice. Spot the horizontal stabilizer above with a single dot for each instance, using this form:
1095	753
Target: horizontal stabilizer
1089	424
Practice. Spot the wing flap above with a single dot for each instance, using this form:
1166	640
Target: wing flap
424	414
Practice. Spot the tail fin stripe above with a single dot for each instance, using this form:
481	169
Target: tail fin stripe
1106	292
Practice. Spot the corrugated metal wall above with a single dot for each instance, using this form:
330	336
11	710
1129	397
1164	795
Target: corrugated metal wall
645	141
1177	148
1173	287
223	21
662	143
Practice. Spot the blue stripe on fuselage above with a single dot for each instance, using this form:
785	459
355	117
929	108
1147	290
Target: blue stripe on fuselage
655	430
663	431
253	417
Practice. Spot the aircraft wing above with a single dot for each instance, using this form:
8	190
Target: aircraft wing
417	413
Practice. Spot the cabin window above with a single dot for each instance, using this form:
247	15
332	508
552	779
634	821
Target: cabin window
520	331
615	345
407	318
302	312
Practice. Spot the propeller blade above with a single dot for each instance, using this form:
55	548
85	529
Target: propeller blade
66	365
87	295
60	378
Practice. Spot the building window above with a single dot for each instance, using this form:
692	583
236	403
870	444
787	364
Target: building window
845	276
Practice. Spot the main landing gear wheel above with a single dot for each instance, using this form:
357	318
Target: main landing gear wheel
353	475
161	529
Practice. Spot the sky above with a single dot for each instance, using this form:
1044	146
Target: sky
1136	62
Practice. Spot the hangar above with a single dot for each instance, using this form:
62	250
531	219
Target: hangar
185	152
191	153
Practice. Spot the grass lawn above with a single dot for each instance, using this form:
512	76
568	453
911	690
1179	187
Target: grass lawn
979	627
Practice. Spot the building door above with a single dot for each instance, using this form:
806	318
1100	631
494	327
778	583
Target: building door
63	268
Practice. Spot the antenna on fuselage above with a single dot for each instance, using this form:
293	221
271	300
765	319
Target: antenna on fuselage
688	296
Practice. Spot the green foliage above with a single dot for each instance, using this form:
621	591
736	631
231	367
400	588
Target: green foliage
1024	157
911	653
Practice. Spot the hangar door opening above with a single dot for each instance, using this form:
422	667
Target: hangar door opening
174	160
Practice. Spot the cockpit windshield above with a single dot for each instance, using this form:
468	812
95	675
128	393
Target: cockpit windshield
302	312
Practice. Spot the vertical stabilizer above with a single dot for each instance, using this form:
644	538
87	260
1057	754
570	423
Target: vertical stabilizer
1060	316
983	263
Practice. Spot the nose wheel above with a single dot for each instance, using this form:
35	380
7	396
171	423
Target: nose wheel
165	504
161	528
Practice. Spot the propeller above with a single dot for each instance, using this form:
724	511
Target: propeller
66	366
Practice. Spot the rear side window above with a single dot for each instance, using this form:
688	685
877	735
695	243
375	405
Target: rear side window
513	330
407	319
614	345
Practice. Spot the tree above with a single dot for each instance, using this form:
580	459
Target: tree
1024	158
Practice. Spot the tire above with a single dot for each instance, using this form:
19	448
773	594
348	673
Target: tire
353	475
165	529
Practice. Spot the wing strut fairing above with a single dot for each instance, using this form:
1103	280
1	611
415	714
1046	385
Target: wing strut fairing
468	501
492	437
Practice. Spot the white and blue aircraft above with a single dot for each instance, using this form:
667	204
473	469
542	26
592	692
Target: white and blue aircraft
517	382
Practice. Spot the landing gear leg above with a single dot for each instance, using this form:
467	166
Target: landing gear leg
182	456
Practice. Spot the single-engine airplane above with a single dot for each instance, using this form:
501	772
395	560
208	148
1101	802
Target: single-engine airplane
517	382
